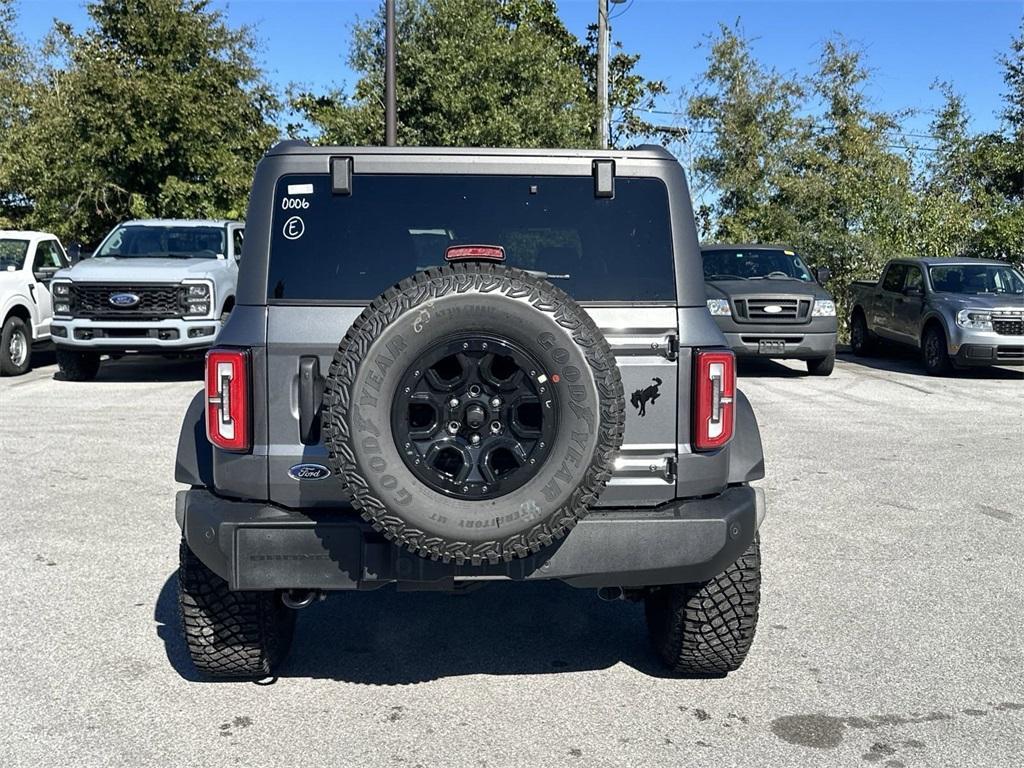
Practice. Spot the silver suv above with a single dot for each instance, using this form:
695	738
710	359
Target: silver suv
153	286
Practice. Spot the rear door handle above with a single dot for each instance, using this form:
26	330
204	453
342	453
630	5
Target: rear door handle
311	391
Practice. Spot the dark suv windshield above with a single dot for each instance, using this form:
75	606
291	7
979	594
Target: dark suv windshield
351	247
157	241
753	263
12	254
976	278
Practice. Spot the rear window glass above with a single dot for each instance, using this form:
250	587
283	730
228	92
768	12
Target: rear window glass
351	247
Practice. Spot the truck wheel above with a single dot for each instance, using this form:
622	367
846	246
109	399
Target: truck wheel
77	366
15	347
862	341
230	634
934	352
822	366
707	628
474	412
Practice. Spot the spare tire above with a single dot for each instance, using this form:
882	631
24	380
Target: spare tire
474	412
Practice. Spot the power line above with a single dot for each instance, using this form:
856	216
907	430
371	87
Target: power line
820	127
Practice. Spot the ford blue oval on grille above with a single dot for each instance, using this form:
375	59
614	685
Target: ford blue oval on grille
123	299
309	472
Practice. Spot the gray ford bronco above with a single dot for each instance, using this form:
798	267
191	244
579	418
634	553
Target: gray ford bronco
450	366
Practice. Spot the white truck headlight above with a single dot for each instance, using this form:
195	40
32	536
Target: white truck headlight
978	319
61	290
824	308
719	307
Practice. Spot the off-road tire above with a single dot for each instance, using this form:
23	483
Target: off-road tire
934	353
862	341
706	629
77	366
822	366
230	634
476	291
8	367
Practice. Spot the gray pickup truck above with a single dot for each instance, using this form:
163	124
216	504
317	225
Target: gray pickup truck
449	366
957	312
769	303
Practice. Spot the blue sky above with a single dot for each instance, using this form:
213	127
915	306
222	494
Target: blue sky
908	44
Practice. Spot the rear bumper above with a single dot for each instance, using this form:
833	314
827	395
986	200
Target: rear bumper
258	546
802	346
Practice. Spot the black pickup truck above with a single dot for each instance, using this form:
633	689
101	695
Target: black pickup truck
768	303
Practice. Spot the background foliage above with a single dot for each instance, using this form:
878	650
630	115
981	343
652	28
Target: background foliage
160	108
808	161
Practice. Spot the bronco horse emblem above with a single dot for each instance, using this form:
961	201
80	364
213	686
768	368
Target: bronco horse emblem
642	397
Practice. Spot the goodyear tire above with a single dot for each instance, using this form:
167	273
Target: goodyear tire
474	413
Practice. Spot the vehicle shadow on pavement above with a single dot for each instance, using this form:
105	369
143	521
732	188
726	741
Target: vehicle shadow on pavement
147	369
756	368
899	359
388	637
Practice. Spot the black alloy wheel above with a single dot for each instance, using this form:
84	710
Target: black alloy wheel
475	416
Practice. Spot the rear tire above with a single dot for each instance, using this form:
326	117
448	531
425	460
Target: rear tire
230	634
15	347
862	341
822	366
77	366
933	350
706	629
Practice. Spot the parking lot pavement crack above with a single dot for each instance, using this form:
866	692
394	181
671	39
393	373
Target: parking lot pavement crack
998	514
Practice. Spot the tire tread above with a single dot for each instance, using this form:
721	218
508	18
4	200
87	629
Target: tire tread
435	283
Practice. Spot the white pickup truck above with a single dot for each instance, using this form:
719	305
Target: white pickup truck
154	286
28	262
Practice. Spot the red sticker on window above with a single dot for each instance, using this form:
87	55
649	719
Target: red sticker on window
474	253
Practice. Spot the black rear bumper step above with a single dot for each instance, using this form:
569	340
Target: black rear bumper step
260	546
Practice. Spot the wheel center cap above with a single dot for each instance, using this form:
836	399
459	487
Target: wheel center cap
475	416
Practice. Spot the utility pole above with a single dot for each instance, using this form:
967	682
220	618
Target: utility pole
602	72
390	108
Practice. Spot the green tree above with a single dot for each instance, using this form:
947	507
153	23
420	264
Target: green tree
475	73
998	167
158	109
15	74
852	196
743	125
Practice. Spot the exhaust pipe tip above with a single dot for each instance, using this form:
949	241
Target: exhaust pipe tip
611	594
298	599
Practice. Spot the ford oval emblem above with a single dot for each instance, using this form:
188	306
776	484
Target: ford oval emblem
773	309
309	472
123	299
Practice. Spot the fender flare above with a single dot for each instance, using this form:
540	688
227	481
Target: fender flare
746	456
193	464
940	318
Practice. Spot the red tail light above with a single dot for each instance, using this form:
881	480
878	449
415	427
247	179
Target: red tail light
227	399
715	390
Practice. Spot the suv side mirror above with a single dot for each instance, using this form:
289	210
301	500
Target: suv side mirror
822	274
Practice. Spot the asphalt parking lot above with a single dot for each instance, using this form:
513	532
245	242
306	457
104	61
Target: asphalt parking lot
890	633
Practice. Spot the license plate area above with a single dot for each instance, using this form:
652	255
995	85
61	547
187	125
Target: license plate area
297	557
771	347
